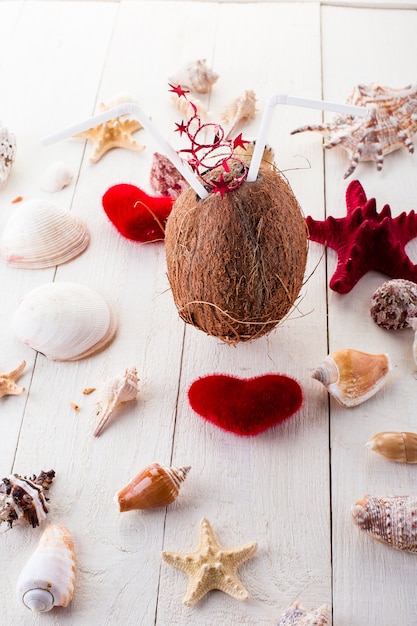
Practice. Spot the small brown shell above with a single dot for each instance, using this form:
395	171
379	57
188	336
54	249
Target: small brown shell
153	487
395	446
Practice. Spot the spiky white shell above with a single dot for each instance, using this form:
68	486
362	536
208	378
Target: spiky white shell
113	392
48	577
296	615
239	111
64	321
56	176
196	76
7	153
39	235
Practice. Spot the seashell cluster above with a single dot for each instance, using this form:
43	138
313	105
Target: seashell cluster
64	321
395	446
352	376
239	111
389	519
56	176
7	153
196	76
48	577
24	498
154	486
39	235
394	303
297	615
114	392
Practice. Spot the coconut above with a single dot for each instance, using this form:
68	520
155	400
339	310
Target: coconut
236	263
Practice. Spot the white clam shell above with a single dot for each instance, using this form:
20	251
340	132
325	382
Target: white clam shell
57	176
39	235
47	579
65	321
7	153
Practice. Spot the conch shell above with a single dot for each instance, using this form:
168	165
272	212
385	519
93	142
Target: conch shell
47	579
351	376
196	76
395	446
389	519
297	615
239	111
117	390
153	487
39	235
24	498
7	153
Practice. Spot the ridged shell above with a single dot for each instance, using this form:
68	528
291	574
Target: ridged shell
24	498
394	303
112	393
196	76
39	235
64	321
296	615
153	487
239	111
56	176
7	153
395	446
390	519
48	578
352	376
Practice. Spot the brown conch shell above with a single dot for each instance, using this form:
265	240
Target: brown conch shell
114	392
351	376
24	498
153	487
297	615
395	446
389	519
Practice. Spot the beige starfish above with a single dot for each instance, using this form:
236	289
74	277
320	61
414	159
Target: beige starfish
211	566
8	385
116	133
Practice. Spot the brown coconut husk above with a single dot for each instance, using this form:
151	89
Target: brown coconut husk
236	264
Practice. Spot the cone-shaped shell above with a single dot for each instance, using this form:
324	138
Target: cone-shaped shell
153	487
351	376
395	446
40	235
116	391
64	321
47	579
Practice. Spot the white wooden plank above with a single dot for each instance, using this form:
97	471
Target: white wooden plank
372	583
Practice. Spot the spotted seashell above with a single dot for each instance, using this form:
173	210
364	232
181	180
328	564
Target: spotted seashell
296	615
24	498
195	76
390	519
394	303
389	125
7	153
395	446
352	376
113	393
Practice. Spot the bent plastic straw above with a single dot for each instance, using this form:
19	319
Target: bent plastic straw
133	109
282	98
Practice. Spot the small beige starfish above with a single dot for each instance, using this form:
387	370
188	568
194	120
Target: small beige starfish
8	385
211	566
116	133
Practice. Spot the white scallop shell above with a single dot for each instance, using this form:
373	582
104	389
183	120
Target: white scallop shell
48	577
65	321
39	235
57	176
196	76
113	392
7	153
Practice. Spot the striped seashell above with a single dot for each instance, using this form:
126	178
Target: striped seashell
389	519
24	498
296	615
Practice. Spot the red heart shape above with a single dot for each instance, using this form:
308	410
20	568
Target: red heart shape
135	214
245	406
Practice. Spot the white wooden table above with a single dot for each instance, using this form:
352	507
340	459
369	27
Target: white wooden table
289	489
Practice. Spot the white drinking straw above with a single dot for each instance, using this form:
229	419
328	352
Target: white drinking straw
130	108
282	98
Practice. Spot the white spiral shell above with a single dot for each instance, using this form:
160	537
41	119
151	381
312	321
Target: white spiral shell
48	577
113	392
196	75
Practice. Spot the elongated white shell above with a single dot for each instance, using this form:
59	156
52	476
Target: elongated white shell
56	176
7	153
65	321
116	391
39	235
48	578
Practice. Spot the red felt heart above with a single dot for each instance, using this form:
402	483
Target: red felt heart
135	214
245	406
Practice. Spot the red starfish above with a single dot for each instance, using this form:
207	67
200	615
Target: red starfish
366	240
